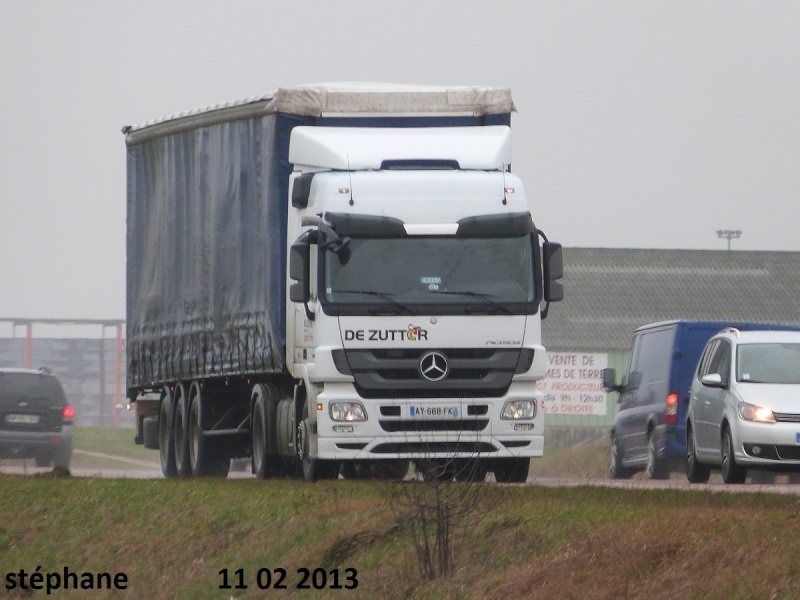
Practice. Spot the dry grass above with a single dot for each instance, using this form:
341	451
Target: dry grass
172	538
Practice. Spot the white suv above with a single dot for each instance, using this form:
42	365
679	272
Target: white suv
744	405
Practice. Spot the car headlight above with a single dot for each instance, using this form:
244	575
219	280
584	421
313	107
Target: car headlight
758	414
347	411
519	409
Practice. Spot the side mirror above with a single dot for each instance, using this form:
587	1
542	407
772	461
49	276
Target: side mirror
300	270
712	380
553	271
610	380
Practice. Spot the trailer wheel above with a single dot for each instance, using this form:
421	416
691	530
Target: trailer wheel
181	432
203	456
313	468
265	463
166	434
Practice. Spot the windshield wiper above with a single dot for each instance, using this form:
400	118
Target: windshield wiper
484	297
401	308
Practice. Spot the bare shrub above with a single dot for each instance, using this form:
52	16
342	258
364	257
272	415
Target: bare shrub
435	506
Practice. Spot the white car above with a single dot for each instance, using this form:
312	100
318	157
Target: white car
744	405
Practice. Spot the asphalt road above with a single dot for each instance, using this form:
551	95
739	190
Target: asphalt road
145	470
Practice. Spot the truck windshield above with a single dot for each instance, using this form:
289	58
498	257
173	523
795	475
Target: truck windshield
442	275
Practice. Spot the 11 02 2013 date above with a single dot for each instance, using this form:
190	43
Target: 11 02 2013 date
280	579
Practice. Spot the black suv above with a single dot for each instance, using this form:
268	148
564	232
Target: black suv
35	418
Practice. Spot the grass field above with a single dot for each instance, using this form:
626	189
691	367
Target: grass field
178	538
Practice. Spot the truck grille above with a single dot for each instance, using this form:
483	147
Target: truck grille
396	373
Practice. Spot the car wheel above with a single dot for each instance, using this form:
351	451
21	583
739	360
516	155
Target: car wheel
731	472
617	470
696	472
656	467
43	460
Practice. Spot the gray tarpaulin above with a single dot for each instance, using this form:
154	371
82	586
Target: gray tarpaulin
206	252
207	201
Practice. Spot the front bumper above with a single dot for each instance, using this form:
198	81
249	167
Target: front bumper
411	428
767	444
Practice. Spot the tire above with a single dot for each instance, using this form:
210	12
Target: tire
43	460
731	472
204	457
180	432
150	432
696	472
63	457
617	470
313	469
265	463
656	468
166	435
511	470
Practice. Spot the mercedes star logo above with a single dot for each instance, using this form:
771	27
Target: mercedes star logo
433	366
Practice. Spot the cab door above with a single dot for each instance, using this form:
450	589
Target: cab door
708	398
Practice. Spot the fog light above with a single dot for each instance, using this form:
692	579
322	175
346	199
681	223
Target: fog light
347	411
756	450
343	428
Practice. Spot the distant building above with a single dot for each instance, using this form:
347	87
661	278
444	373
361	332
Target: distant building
608	293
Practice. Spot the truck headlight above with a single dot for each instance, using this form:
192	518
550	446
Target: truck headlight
519	409
759	414
347	411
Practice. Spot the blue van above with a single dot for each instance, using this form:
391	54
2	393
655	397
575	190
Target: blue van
649	430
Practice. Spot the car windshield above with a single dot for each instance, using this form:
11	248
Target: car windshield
768	363
413	274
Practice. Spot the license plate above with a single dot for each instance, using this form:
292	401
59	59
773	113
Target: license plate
22	419
433	412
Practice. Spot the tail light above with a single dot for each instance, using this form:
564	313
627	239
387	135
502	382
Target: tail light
671	417
68	414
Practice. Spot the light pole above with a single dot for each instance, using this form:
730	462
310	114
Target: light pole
729	234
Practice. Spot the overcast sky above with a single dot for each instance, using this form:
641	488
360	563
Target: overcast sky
639	124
